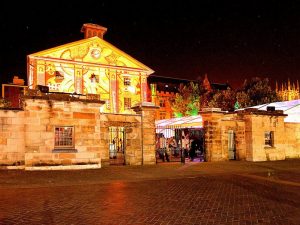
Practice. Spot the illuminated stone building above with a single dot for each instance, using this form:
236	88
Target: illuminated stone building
288	91
84	107
91	66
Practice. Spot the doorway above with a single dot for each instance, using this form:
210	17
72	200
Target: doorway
231	145
117	145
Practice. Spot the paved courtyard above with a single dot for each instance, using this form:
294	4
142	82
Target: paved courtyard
193	193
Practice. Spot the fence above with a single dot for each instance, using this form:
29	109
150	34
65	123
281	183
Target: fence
177	144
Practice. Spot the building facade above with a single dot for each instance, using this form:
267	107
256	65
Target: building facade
85	106
288	91
91	66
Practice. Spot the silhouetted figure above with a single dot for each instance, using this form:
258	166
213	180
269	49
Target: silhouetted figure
194	147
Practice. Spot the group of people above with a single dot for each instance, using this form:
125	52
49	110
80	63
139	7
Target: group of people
165	146
192	147
168	147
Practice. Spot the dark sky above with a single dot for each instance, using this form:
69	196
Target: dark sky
228	40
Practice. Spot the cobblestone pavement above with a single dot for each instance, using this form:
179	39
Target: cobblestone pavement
207	193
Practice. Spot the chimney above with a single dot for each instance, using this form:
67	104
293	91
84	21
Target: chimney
92	30
18	81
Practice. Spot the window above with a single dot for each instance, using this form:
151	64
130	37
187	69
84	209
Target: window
64	137
162	103
269	138
153	89
94	78
127	103
127	81
162	115
107	104
58	75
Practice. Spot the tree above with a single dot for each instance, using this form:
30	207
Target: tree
224	99
187	100
257	91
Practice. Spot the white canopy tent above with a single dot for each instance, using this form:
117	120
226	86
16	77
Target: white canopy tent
167	126
182	122
291	108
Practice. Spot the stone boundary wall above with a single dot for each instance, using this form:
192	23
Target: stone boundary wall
12	143
249	128
41	118
292	140
133	144
256	126
27	137
238	128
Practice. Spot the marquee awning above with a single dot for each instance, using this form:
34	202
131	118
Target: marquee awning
183	122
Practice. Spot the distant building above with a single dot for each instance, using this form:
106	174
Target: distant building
163	90
13	92
288	91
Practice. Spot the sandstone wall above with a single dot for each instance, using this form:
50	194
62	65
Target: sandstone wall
292	140
41	118
256	125
238	128
132	125
147	132
214	150
12	145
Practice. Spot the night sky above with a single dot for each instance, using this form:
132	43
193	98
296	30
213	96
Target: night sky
228	40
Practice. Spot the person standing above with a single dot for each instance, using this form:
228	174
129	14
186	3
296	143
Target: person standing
185	146
162	146
194	146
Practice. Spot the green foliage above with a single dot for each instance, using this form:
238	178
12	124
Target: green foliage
187	100
237	105
178	114
192	97
179	105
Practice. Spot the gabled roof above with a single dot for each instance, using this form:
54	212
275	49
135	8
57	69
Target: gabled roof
109	54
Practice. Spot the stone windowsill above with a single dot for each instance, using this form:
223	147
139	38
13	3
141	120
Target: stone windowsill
269	147
64	150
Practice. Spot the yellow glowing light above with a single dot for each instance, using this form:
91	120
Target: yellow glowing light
131	89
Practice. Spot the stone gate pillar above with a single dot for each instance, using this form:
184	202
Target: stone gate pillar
213	137
147	111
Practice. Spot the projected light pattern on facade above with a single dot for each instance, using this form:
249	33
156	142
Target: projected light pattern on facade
91	66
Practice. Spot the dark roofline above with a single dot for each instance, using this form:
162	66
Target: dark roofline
173	78
187	80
